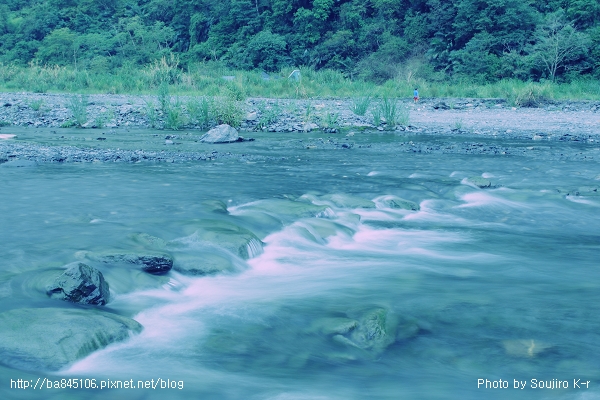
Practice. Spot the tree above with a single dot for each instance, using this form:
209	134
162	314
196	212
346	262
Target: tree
558	44
59	47
267	51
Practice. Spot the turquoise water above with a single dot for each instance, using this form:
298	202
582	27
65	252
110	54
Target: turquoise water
497	284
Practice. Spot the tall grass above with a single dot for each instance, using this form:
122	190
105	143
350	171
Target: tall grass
78	107
360	105
206	79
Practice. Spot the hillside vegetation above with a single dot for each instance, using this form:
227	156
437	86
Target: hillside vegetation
431	42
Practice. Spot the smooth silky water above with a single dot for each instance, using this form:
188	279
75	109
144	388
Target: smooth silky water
500	283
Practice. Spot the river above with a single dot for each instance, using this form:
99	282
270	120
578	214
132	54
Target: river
498	284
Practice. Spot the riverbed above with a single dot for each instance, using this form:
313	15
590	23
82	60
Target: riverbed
410	280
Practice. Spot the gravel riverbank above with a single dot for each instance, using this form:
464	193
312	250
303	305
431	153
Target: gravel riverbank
118	130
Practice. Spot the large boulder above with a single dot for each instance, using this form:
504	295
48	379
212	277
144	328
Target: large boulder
221	134
51	338
82	284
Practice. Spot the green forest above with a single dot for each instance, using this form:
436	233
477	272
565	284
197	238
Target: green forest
479	41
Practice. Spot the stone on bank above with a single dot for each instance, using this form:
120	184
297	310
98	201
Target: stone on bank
221	134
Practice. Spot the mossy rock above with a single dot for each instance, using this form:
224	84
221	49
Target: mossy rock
41	339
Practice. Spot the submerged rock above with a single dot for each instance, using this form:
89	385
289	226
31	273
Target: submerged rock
478	181
348	201
398	203
321	229
287	210
228	236
156	264
260	223
333	326
149	240
82	284
216	206
376	330
51	338
221	134
204	264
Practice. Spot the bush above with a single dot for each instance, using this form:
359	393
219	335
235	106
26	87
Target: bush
226	110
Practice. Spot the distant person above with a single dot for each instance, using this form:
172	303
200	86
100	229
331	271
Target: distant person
416	95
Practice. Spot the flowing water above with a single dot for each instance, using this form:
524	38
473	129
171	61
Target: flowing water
497	284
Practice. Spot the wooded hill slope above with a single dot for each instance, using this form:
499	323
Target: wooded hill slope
481	40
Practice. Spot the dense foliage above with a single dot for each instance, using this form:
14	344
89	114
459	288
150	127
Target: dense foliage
482	40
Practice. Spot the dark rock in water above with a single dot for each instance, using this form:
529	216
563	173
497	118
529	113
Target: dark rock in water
221	134
156	264
80	283
52	338
478	181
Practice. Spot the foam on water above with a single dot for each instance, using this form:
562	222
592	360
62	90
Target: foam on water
482	199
